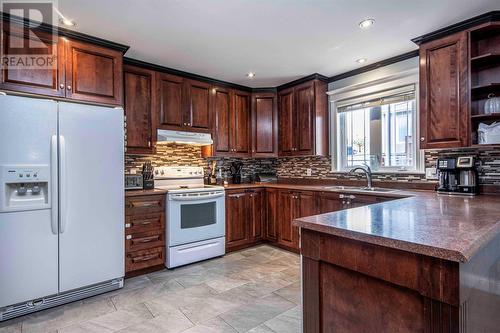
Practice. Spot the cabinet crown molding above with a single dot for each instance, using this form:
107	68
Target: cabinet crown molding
457	27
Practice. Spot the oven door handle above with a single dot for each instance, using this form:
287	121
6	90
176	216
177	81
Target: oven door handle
200	196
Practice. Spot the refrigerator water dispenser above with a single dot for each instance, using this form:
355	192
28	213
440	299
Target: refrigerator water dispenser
24	187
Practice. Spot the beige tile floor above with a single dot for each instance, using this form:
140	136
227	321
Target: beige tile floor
255	290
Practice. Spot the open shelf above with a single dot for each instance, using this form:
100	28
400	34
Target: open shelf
485	88
486	59
484	63
486	117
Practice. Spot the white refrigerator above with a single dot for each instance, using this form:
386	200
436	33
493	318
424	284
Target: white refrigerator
61	202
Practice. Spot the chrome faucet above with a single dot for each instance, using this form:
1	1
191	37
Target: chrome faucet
367	171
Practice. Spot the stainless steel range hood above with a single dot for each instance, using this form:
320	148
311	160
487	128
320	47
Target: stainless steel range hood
191	138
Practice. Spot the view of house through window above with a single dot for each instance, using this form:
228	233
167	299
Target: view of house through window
378	130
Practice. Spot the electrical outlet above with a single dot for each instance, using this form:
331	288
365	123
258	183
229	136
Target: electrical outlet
431	173
308	172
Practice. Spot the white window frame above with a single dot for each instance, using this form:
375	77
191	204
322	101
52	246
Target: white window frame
387	83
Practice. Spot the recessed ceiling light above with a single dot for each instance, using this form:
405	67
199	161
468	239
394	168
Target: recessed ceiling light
361	60
365	24
250	75
67	22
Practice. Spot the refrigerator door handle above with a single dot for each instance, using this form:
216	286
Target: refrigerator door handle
53	180
64	183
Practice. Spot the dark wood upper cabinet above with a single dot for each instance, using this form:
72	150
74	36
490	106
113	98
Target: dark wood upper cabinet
444	96
93	73
184	104
286	122
198	109
304	128
139	105
303	123
264	125
50	81
241	120
80	71
232	121
170	106
222	120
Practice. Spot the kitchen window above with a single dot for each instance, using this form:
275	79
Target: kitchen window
377	129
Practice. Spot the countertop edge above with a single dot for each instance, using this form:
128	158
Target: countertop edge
427	250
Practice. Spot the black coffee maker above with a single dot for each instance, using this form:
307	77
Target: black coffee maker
457	175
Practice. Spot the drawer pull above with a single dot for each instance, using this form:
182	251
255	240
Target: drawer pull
143	204
146	257
147	239
145	222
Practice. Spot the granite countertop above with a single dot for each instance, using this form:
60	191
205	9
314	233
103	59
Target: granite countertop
424	222
317	188
447	227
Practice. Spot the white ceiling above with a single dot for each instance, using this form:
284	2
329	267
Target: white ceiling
279	40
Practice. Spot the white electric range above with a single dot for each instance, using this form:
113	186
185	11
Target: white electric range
195	226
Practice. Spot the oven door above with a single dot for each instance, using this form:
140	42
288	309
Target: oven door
193	217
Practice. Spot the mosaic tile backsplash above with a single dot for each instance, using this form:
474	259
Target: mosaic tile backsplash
295	167
186	155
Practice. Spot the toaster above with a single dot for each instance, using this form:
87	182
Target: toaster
133	182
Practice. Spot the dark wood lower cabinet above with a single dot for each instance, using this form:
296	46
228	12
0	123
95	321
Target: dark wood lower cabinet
271	228
245	217
292	205
266	214
351	286
144	233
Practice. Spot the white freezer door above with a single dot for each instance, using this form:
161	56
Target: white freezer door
91	185
28	239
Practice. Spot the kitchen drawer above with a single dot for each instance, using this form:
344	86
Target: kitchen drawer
141	223
144	204
144	240
144	259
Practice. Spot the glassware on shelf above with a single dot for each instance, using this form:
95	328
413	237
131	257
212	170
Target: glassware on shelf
492	105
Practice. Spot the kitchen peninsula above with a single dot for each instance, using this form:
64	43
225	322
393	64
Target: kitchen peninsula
425	263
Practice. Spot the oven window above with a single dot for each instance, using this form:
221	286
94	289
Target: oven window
198	215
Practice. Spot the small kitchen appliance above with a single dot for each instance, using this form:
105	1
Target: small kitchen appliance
266	177
457	175
133	182
195	226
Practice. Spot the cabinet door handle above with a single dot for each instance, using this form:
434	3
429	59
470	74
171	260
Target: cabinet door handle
422	139
61	86
189	124
68	87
